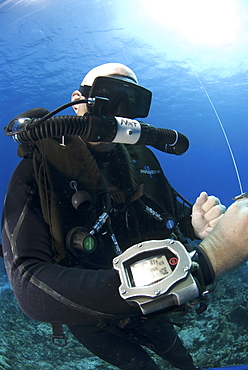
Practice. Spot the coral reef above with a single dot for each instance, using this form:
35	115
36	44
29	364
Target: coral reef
217	337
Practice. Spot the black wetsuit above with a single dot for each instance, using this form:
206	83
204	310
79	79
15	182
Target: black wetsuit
84	295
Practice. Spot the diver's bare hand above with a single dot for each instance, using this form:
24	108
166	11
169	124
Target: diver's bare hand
206	213
227	245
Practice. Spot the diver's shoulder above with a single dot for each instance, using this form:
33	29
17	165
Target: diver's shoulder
24	172
25	165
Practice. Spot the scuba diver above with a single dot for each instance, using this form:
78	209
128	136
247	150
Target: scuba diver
74	208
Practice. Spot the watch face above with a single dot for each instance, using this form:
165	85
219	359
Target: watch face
150	270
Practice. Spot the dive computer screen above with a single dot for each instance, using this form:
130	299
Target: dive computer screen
150	270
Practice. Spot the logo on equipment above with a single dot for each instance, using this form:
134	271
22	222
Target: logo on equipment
148	171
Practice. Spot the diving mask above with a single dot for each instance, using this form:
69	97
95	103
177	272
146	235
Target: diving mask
126	99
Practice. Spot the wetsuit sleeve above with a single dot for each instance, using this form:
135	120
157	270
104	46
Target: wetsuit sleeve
44	290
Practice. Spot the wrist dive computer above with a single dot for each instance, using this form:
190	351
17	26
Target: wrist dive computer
157	275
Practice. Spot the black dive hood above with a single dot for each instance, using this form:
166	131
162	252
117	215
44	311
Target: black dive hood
95	126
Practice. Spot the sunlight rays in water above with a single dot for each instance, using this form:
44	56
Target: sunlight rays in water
200	22
32	6
9	4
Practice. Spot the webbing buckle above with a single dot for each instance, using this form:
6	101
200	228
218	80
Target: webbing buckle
58	336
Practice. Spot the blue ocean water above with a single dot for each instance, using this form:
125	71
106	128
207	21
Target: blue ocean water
48	46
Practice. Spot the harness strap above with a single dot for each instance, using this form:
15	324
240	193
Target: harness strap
58	336
119	197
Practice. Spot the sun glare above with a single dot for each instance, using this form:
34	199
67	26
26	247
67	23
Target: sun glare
213	22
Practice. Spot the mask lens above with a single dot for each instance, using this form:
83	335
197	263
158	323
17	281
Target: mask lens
126	99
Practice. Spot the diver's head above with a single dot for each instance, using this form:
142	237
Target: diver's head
114	70
119	84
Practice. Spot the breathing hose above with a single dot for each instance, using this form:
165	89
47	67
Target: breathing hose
39	123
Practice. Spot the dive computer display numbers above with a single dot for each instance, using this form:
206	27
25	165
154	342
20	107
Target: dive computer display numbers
150	270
